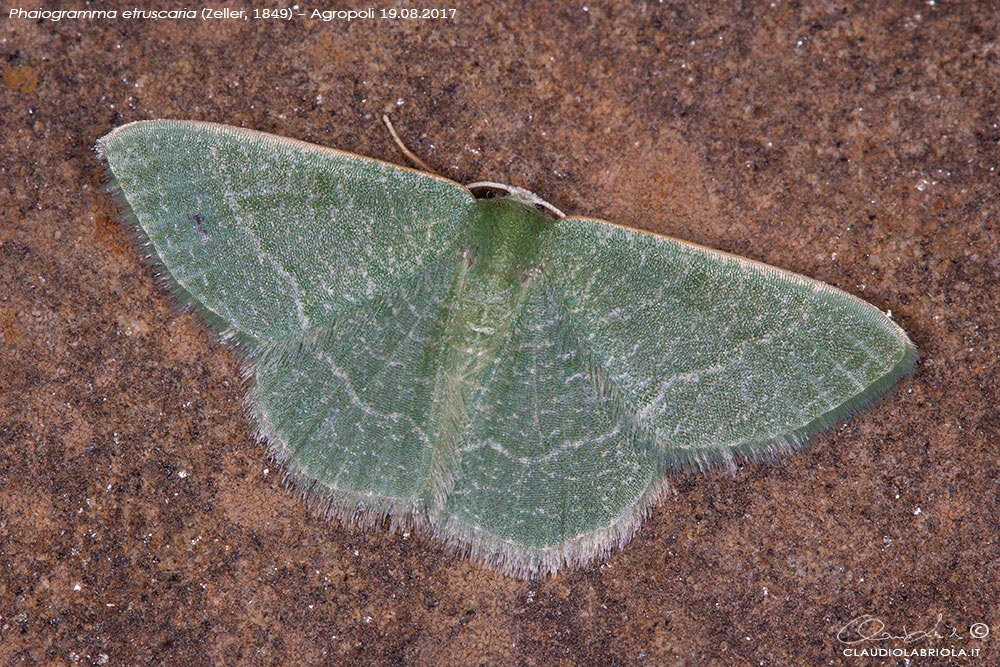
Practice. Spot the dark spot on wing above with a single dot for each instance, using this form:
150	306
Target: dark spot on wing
196	220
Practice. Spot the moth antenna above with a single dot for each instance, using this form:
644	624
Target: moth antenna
410	155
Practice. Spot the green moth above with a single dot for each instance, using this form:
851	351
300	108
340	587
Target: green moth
516	382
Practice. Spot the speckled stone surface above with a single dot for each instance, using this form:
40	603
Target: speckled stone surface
141	524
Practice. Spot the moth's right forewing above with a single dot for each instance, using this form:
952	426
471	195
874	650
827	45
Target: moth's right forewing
717	355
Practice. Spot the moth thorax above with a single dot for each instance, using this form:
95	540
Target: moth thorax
506	238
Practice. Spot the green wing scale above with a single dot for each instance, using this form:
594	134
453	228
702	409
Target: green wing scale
519	387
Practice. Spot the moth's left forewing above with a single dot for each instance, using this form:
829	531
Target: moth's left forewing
267	236
717	355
